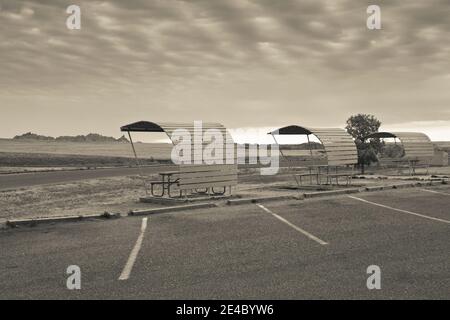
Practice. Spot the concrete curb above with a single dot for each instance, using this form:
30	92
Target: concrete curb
437	182
172	209
423	183
164	200
403	185
330	193
262	199
32	222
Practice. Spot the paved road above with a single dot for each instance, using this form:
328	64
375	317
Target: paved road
14	181
310	249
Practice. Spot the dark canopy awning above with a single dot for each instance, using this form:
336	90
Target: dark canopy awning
376	135
293	129
142	126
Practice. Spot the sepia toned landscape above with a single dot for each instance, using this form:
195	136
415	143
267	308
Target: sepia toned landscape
238	158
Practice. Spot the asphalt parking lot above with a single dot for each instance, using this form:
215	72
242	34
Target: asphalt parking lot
310	249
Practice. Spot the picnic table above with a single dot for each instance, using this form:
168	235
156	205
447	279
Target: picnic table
169	178
315	171
166	182
309	174
411	164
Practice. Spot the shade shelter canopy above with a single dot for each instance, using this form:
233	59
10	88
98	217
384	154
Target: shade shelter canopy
416	145
339	146
170	127
199	172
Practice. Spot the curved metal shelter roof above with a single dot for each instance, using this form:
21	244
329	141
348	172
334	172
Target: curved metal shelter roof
338	144
193	128
170	127
415	144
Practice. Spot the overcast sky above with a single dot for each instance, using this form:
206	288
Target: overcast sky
244	63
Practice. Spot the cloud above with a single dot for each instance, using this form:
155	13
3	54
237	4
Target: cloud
240	62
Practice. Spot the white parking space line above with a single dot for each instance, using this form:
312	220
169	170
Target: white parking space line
400	210
309	235
432	191
133	255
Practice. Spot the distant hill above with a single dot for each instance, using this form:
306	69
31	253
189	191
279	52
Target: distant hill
33	136
91	137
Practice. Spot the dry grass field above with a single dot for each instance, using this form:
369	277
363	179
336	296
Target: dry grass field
34	155
74	198
146	150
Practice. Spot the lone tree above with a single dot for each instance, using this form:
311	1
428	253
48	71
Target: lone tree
360	126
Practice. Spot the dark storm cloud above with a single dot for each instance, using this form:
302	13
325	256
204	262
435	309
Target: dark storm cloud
237	55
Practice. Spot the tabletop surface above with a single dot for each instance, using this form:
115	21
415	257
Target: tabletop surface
167	173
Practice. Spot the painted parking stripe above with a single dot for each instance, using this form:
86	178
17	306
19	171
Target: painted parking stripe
133	255
306	233
432	191
400	210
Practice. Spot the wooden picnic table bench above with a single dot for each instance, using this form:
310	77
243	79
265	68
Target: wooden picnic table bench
165	183
411	164
317	174
327	174
310	175
330	176
200	181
